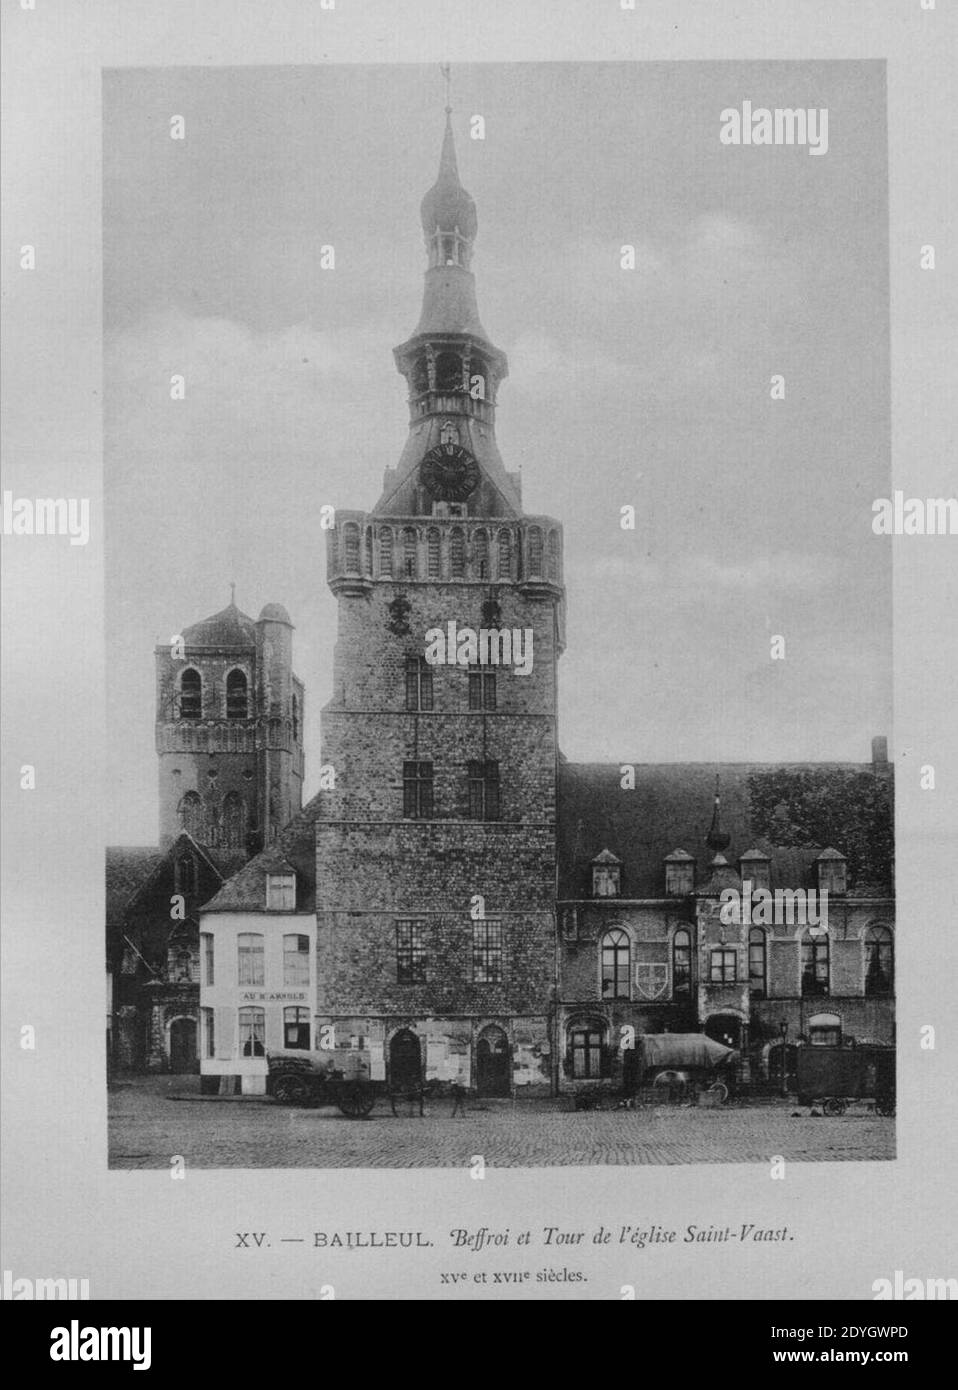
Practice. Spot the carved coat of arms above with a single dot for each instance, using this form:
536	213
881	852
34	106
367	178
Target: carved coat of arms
651	981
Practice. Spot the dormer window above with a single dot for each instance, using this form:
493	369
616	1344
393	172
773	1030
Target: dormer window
756	867
679	874
281	892
832	872
606	875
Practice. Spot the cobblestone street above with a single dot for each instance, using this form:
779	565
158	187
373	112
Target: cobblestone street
147	1126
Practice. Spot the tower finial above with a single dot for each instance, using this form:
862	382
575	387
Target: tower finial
232	592
717	838
444	69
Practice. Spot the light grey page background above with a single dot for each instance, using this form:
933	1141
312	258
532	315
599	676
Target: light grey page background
72	706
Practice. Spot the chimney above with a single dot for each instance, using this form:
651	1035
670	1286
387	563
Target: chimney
879	751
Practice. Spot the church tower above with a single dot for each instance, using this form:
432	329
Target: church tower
229	731
436	843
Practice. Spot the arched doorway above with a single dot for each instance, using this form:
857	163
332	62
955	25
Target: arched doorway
183	1045
493	1063
405	1061
725	1029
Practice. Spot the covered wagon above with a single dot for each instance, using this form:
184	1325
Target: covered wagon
679	1065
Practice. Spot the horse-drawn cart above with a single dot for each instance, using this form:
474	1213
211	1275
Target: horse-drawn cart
297	1080
685	1066
833	1076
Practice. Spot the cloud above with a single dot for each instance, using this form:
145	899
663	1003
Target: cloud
697	576
248	393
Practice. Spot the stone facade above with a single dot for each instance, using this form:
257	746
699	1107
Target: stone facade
229	742
487	914
376	866
435	921
229	730
638	958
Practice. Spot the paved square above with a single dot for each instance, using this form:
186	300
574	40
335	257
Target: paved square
147	1127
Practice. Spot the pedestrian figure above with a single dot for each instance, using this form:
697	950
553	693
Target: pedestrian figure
459	1101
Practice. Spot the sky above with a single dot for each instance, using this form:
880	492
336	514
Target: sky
648	387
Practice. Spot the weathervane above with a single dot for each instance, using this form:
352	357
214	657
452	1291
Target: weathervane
444	69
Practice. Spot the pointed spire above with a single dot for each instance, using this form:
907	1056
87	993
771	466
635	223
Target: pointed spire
232	593
447	207
717	838
448	165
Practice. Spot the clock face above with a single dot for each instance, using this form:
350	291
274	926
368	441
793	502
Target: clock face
449	472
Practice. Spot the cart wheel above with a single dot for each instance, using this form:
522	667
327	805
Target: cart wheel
290	1090
720	1091
357	1100
671	1084
834	1106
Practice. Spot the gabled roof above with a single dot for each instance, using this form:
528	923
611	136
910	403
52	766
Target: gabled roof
293	851
132	871
785	811
128	868
607	857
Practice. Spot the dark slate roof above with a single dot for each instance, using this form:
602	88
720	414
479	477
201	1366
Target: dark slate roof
276	613
226	861
128	868
229	628
294	848
777	809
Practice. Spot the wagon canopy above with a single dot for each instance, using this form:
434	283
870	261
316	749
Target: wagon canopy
683	1050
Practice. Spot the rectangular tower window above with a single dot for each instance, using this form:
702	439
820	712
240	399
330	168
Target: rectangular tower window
206	940
417	790
296	1029
252	1028
484	801
585	1045
482	689
723	967
410	952
250	946
418	683
487	952
295	960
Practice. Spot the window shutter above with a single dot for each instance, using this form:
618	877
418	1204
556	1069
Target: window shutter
225	1033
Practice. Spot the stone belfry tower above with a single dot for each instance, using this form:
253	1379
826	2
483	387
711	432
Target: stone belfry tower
229	731
436	846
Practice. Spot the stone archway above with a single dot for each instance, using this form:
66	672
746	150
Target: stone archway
183	1045
493	1062
725	1029
405	1061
